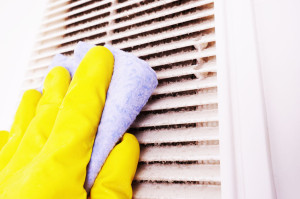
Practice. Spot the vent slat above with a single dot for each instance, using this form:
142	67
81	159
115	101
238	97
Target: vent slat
56	3
169	34
40	66
32	84
175	45
187	70
178	135
40	75
161	61
179	153
185	56
175	191
66	7
181	86
205	25
67	14
207	67
106	19
134	31
172	118
181	172
163	74
186	85
181	101
130	22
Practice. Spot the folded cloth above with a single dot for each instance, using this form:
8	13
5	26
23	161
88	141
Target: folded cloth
70	63
132	84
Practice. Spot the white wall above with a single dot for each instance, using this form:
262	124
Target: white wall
278	34
19	21
258	54
246	169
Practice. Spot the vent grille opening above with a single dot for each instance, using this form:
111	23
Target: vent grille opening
178	127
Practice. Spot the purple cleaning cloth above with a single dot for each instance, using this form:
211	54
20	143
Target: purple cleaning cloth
131	86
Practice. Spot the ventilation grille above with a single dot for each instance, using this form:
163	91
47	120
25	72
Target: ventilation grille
178	128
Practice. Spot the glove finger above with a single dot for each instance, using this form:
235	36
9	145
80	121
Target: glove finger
55	87
60	168
3	138
115	178
23	117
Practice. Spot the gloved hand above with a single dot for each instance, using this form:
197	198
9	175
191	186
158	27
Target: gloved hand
3	138
116	175
114	180
51	159
23	117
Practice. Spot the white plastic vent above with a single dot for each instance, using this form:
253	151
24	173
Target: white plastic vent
178	128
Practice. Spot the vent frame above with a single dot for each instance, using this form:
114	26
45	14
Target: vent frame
192	71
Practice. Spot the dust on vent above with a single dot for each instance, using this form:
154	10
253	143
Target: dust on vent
178	128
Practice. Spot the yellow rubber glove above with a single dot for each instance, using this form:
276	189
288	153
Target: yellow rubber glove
3	138
25	112
55	167
55	88
115	178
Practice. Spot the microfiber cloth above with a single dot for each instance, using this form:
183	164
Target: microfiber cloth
70	63
131	86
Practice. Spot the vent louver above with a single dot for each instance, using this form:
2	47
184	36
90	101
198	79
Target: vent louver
178	128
